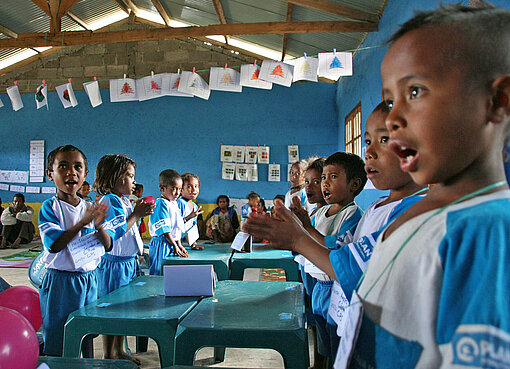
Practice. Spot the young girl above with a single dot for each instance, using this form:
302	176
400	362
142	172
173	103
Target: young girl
62	219
115	181
223	224
297	186
189	210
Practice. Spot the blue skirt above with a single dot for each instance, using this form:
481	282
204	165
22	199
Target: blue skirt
60	294
115	272
159	249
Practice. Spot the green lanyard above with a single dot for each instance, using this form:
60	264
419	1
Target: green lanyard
61	212
439	211
337	214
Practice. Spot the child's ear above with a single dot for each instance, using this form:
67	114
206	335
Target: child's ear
355	184
500	109
49	174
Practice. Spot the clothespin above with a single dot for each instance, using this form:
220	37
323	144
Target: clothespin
124	76
255	62
334	51
44	82
305	55
226	66
178	70
95	78
193	70
69	80
152	74
15	83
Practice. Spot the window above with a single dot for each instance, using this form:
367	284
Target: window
353	131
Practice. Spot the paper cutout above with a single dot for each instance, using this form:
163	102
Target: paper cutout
251	154
85	249
14	176
48	190
225	79
305	69
227	171
92	90
194	84
238	154
263	156
226	153
276	72
66	95
240	240
41	96
334	65
253	174
149	87
123	89
14	95
273	174
293	153
250	77
1	103
170	85
15	188
242	172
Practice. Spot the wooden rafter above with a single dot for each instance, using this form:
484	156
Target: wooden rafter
43	4
162	12
88	37
65	6
6	31
132	6
221	16
55	9
286	35
337	9
78	20
55	20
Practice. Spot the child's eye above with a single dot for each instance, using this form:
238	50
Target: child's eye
415	92
368	142
389	103
316	182
323	178
384	139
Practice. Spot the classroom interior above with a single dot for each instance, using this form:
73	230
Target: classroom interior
185	134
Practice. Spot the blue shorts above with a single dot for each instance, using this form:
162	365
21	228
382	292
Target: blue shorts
60	294
114	272
159	249
321	296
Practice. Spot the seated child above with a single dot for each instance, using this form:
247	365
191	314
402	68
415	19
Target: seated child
223	224
166	223
84	191
278	199
253	205
189	210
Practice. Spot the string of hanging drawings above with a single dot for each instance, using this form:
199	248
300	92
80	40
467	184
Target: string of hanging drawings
189	84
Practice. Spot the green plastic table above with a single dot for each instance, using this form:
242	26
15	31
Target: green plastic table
76	363
261	257
217	255
138	309
249	314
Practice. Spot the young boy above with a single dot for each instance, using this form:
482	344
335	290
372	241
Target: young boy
62	219
253	205
166	223
17	226
189	210
435	293
84	191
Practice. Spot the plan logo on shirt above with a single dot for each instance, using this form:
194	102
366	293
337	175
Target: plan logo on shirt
161	223
364	248
115	222
487	349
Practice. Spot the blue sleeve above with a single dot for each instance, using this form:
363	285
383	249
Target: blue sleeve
346	232
245	211
160	219
115	222
330	241
474	298
49	225
181	204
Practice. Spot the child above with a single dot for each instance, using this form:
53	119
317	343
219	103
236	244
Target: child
62	219
189	210
224	222
252	206
84	191
133	198
115	181
297	186
166	223
436	289
278	199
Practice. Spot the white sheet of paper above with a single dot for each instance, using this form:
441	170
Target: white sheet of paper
238	154
16	188
289	167
4	187
66	95
48	190
250	77
350	333
41	96
251	154
170	86
253	173
335	65
228	171
92	90
36	173
85	249
192	83
123	89
273	174
31	189
1	103
193	235
149	87
293	153
36	179
312	268
263	156
276	72
14	95
226	153
300	259
239	240
242	172
14	176
338	306
225	79
305	69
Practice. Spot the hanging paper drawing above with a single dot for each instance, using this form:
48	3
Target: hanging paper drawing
238	154
334	65
170	84
264	154
225	79
92	90
1	103
251	154
293	153
250	77
192	83
274	173
15	97
242	172
123	89
66	95
149	87
228	170
276	72
226	153
41	96
305	69
253	174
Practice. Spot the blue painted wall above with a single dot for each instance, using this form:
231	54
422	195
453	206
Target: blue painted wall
179	133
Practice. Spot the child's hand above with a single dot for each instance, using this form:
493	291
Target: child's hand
181	251
300	212
143	208
99	214
195	213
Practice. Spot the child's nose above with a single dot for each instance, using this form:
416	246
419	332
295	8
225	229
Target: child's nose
370	154
395	120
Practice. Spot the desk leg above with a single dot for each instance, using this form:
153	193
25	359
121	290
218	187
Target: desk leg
292	273
236	271
72	342
141	344
166	348
219	354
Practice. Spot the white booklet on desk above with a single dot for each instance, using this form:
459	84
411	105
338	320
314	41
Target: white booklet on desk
242	242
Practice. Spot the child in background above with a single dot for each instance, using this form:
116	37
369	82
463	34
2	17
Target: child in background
84	191
133	198
436	289
62	219
115	181
224	222
166	223
297	186
278	199
252	206
189	210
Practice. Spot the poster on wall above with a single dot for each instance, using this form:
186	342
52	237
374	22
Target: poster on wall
263	156
276	72
192	83
149	87
170	85
16	188
227	171
242	172
123	89
41	96
93	93
48	190
226	153
225	79
273	174
334	65
238	154
293	153
305	69
250	77
253	173
36	160
252	152
66	95
4	187
32	189
14	176
15	97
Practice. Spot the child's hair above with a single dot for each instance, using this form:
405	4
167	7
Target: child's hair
19	196
353	165
223	197
168	177
253	195
138	187
382	107
85	183
187	176
64	148
317	164
281	197
302	164
109	170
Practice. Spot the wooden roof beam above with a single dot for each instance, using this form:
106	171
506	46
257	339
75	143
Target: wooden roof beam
132	6
162	12
43	4
55	20
78	21
286	35
221	16
6	31
337	9
65	6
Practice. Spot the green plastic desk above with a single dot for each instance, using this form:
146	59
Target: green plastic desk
261	257
138	309
76	363
247	314
217	255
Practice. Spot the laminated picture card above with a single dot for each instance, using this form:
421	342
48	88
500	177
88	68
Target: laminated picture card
189	280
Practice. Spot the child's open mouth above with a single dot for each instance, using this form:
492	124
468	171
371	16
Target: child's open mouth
326	194
408	157
371	172
71	183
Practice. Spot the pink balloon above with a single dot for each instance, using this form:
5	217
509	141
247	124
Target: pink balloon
19	347
24	300
149	199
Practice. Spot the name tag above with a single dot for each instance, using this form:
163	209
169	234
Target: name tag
338	306
349	335
85	249
300	259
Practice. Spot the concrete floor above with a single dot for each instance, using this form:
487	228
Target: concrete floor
234	358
